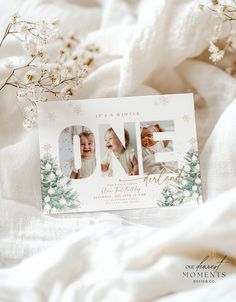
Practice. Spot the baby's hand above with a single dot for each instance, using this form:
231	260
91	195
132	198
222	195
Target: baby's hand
104	167
74	174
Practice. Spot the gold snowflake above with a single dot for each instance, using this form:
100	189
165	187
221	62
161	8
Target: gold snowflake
193	141
77	109
46	148
164	100
186	118
52	116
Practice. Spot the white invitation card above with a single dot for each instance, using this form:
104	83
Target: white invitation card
119	153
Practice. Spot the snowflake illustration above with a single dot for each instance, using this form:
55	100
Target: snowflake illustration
188	187
164	100
46	148
77	109
186	118
58	193
193	141
52	116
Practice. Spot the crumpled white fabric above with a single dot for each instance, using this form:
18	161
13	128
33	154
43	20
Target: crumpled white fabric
115	261
146	47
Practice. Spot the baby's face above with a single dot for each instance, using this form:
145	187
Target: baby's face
112	142
147	137
87	146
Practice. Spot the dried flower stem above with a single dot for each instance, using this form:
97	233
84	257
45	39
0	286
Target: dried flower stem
6	33
13	73
226	13
43	77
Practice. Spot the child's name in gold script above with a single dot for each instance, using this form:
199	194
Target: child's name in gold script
160	179
121	189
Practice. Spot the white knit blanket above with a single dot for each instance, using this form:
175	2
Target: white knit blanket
146	47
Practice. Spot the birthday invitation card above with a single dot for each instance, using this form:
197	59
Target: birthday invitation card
119	153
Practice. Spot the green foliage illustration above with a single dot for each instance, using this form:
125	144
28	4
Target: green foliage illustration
188	186
57	193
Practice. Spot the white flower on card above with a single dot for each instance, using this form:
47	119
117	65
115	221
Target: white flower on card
187	168
195	195
186	193
174	190
51	191
48	167
58	172
47	199
51	176
186	199
47	207
62	201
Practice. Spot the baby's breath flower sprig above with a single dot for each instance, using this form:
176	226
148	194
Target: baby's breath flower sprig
225	11
43	76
